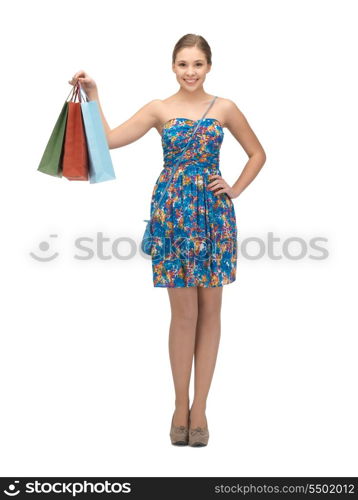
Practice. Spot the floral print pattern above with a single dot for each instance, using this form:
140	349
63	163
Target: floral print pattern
194	231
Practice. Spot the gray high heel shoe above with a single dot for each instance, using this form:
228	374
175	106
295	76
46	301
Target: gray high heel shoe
179	434
198	436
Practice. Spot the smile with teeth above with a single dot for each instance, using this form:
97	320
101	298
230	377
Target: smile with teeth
190	80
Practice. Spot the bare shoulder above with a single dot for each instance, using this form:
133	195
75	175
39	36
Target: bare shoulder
155	112
237	123
155	107
229	111
155	103
159	109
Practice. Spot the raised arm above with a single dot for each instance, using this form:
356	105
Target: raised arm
133	128
130	130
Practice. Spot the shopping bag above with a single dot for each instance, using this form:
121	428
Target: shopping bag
100	162
75	156
51	161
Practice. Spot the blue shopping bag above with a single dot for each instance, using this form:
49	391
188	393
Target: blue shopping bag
100	162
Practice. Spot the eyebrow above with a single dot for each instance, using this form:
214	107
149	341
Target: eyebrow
198	60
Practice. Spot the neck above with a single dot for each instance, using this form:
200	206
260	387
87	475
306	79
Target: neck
195	96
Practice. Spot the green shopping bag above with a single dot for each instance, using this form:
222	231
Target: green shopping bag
51	162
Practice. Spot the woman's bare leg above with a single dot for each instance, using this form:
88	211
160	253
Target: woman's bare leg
208	333
184	310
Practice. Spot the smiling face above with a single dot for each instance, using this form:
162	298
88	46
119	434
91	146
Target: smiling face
191	67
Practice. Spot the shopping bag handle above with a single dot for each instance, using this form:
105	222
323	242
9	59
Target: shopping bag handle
76	92
85	97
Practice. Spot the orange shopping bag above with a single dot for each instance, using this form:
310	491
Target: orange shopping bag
75	155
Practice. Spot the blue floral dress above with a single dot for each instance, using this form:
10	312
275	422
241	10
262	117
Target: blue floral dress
194	231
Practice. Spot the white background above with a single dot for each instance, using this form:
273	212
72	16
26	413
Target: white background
86	384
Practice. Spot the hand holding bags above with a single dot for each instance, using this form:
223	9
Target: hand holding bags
78	145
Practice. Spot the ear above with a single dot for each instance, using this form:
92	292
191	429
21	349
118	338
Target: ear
209	68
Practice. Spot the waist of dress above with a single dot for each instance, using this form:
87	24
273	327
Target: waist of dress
200	165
